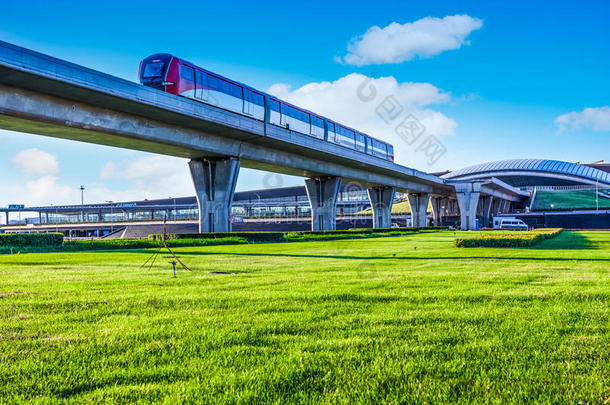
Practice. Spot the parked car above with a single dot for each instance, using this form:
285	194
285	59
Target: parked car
513	223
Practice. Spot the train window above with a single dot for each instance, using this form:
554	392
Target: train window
379	148
201	90
294	113
369	145
318	122
187	73
347	137
153	69
253	97
274	105
223	86
360	145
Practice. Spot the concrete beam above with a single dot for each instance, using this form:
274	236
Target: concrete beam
214	182
419	208
32	112
381	199
322	193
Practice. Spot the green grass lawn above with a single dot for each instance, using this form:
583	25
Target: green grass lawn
407	319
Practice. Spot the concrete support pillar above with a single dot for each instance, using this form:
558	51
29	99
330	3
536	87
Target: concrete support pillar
468	202
322	194
506	208
486	203
498	207
419	208
381	199
6	217
46	217
439	209
214	182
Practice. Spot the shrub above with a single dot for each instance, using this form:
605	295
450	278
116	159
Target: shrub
506	239
31	239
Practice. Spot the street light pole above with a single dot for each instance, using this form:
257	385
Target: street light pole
82	203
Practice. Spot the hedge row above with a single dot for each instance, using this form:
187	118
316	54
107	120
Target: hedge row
511	240
112	244
282	236
31	239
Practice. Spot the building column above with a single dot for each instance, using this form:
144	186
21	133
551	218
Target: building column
214	182
419	208
487	202
6	212
322	194
506	208
381	199
468	202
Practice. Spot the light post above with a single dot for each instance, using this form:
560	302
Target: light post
82	203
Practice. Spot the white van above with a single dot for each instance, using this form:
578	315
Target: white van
509	223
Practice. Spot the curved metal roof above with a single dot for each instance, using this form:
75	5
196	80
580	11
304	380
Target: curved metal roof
529	167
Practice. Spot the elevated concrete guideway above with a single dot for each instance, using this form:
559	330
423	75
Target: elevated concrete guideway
43	95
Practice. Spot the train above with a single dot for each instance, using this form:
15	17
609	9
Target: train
173	75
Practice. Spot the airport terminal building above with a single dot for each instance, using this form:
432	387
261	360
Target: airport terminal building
554	194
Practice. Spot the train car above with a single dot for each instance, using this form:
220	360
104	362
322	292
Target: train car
176	76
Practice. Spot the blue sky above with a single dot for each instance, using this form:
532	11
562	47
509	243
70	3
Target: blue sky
515	69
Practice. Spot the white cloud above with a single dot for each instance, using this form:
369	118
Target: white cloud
42	191
398	43
597	119
355	100
154	176
36	162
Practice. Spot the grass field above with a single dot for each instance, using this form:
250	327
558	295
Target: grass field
407	319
